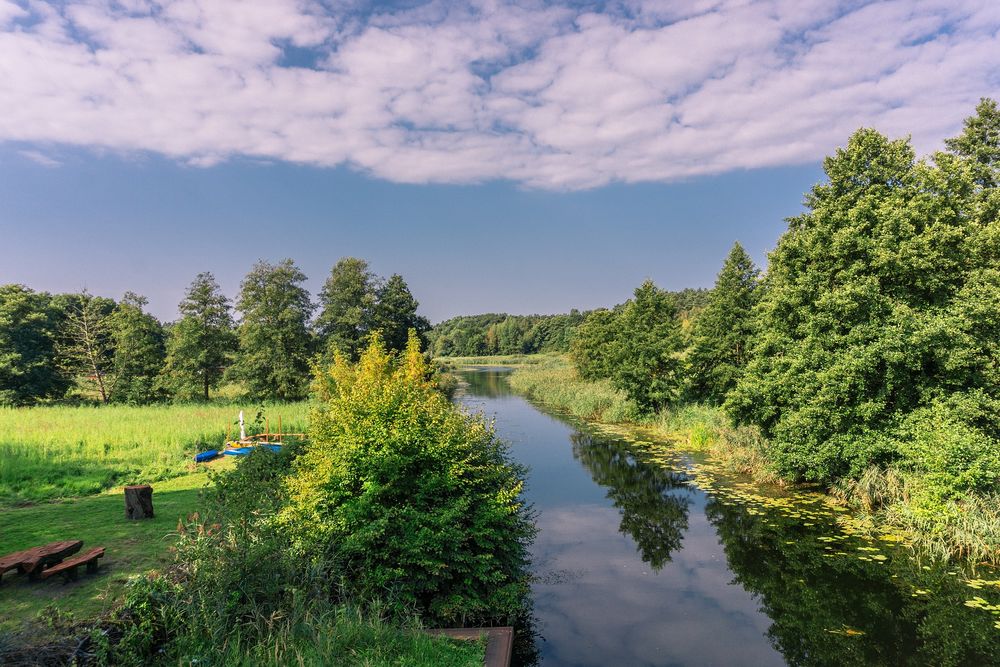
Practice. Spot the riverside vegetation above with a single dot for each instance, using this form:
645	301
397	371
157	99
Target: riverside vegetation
865	360
400	511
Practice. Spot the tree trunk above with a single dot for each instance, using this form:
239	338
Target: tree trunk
139	502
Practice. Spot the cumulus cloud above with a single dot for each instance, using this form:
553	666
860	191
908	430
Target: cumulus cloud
547	95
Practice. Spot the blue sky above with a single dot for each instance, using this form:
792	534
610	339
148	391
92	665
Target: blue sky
503	156
150	225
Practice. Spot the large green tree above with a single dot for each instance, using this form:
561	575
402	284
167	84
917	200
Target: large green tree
346	302
877	330
137	340
395	314
722	332
274	338
645	357
28	331
201	343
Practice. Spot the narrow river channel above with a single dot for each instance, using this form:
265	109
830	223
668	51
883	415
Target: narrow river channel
657	559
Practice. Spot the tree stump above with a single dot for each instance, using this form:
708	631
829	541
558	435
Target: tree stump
139	502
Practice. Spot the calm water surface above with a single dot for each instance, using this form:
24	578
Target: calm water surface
636	564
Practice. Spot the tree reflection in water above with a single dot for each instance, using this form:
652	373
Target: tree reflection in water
653	501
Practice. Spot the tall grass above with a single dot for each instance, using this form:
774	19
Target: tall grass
62	451
556	383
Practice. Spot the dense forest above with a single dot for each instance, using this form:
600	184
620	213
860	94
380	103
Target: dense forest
500	333
87	347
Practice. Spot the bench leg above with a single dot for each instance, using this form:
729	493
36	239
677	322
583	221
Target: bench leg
69	575
92	566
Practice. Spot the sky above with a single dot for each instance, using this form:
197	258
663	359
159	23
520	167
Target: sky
516	157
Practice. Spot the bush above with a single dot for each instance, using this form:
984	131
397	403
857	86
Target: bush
414	500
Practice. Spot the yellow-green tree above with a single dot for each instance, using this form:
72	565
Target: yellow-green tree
412	497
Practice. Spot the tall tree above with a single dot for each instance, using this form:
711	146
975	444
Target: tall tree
86	347
137	340
879	309
395	314
645	355
346	304
274	338
722	332
201	343
979	142
28	332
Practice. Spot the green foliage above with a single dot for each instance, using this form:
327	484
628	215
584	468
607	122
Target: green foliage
346	303
28	331
637	346
86	348
137	339
880	302
409	496
559	385
201	342
274	339
592	349
395	314
720	346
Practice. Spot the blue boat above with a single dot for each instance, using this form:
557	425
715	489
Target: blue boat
238	451
206	456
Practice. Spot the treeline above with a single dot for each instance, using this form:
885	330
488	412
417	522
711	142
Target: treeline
500	333
872	342
82	346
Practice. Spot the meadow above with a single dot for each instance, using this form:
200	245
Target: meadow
51	452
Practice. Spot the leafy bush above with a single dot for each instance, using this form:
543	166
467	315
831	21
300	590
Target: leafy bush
414	500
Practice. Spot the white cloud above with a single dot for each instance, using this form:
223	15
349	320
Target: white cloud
538	94
40	158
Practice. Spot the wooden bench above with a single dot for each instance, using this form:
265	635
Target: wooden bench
67	568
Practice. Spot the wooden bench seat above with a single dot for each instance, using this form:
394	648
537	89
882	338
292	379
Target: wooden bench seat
67	568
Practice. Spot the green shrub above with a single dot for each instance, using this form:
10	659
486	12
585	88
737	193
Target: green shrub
414	500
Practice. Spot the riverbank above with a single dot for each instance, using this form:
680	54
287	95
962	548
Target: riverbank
883	500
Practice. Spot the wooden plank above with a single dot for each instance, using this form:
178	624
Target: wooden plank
499	642
68	567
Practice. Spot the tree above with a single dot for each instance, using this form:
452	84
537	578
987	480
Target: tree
274	340
645	361
395	314
137	341
979	142
409	494
86	346
722	332
346	301
591	348
878	319
28	332
201	343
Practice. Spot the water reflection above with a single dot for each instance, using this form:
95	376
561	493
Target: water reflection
636	565
653	501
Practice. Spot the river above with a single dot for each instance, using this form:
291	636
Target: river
645	556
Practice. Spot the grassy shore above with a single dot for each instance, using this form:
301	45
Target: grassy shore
967	528
65	451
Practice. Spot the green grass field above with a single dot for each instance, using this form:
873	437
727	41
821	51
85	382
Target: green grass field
55	452
132	546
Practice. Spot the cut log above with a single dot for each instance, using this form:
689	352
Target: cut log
139	502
